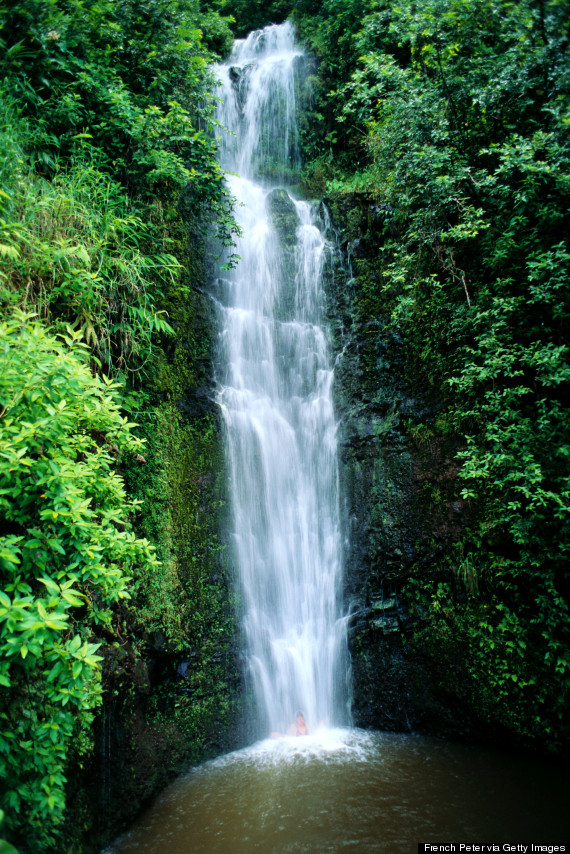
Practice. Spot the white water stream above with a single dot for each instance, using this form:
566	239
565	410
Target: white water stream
275	396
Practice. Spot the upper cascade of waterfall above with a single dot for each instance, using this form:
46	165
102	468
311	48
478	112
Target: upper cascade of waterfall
258	105
274	42
275	393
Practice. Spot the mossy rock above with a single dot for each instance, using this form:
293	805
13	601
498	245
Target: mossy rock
284	216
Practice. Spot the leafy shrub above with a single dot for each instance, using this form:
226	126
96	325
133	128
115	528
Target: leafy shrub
66	554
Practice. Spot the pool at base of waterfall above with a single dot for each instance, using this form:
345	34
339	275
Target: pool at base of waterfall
349	790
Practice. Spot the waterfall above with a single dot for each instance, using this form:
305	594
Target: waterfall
275	379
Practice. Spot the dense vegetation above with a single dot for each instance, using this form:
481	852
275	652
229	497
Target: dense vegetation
108	183
440	134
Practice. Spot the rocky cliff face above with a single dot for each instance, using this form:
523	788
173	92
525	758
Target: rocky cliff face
401	512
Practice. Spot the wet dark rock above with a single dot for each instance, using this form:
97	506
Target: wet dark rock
182	668
393	534
285	220
199	404
283	215
141	676
239	78
158	641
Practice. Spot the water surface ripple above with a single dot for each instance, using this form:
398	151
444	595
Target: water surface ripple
347	790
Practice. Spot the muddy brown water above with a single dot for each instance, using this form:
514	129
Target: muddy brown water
348	790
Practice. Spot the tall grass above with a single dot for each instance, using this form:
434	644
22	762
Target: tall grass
74	250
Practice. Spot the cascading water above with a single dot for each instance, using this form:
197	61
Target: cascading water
275	396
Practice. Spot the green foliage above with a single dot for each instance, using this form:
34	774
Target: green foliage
247	15
108	160
180	478
66	557
129	79
74	251
5	847
107	165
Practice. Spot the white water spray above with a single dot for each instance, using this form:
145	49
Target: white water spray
275	396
